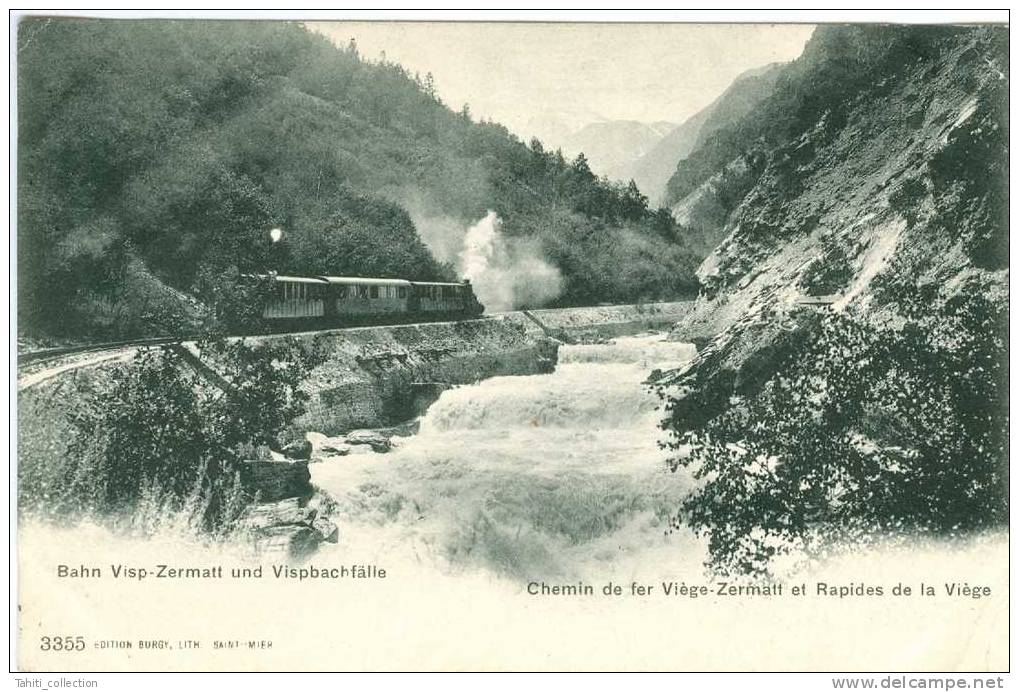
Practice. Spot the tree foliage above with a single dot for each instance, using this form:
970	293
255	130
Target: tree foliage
159	431
901	429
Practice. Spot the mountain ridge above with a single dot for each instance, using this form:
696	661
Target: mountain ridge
653	170
887	191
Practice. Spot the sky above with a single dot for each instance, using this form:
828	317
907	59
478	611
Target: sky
539	78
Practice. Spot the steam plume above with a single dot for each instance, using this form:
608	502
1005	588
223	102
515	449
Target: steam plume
506	272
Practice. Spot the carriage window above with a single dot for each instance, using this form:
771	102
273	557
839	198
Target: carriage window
362	291
341	292
401	292
374	291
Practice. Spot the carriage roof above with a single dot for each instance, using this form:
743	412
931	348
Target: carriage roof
300	279
434	283
359	281
342	280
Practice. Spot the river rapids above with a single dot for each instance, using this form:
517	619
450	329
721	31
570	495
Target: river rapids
552	475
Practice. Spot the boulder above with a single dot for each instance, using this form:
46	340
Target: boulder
406	429
324	446
315	438
266	514
299	449
376	439
334	448
292	541
326	529
276	480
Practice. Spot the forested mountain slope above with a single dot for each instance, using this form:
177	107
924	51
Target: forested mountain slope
153	157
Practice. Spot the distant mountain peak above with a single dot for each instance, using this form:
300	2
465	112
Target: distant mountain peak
613	146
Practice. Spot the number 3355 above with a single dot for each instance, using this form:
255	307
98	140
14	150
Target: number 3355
62	643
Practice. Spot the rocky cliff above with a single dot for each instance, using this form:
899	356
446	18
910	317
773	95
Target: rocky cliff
873	182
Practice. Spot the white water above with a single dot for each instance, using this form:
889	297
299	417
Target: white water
538	475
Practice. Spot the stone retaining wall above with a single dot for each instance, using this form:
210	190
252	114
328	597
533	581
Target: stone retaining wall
372	376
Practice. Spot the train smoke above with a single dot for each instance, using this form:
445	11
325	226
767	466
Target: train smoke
506	272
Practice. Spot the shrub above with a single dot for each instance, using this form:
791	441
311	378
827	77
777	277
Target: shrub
234	301
865	429
828	274
161	439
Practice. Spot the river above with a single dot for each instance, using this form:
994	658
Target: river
553	475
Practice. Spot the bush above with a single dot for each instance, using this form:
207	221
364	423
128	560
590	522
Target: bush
234	302
865	429
161	438
828	274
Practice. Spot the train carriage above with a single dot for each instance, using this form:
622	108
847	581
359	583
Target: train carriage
357	296
435	296
300	301
297	297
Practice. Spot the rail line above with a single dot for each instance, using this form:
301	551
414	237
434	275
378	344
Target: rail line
45	355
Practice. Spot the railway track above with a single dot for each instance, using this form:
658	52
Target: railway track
47	355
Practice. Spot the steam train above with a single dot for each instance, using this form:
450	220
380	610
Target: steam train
298	301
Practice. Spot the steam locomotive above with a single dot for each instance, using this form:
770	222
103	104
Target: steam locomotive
297	301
